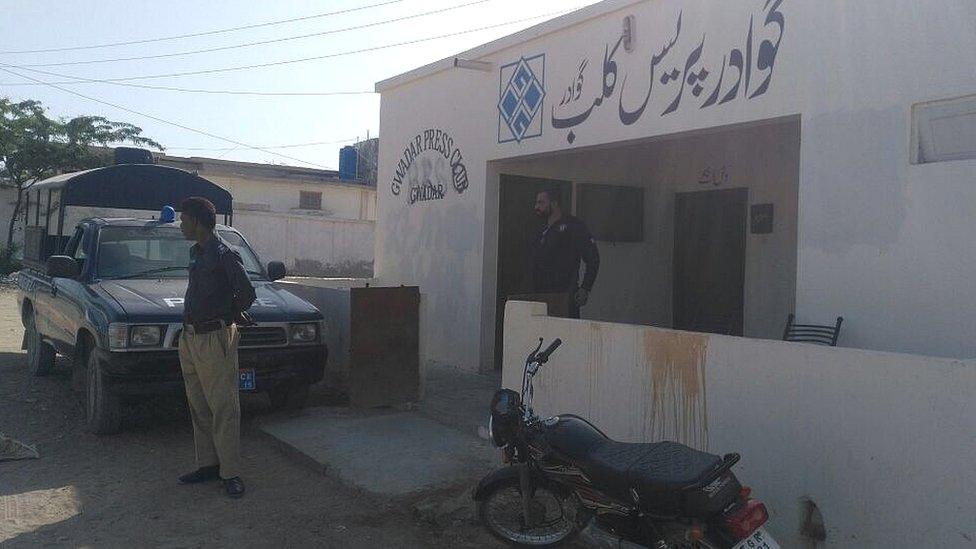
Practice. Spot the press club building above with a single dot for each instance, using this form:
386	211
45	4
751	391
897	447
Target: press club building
736	161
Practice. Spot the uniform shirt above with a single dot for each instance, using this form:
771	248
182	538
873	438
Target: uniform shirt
556	254
219	287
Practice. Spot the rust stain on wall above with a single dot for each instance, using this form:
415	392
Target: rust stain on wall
596	361
678	407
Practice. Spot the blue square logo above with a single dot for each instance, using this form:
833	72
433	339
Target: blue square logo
521	96
509	104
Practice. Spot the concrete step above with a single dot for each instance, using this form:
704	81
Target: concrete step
390	454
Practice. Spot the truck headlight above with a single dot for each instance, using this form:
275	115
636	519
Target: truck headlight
145	336
304	333
118	336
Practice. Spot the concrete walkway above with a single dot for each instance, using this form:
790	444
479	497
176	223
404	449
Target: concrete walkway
394	453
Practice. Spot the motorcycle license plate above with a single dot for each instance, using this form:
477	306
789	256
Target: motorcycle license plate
246	379
760	539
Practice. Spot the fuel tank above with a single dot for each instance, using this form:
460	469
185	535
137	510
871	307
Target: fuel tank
571	437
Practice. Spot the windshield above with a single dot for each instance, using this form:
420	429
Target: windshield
157	252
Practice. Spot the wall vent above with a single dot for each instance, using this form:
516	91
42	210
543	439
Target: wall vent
944	130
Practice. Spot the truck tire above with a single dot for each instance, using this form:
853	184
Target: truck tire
288	397
103	413
40	355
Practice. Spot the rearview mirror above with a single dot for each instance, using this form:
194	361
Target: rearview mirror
276	270
62	266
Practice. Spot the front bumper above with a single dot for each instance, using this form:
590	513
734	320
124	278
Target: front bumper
158	372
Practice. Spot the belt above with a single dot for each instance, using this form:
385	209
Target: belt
207	326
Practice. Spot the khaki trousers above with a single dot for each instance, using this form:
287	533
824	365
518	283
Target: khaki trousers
210	372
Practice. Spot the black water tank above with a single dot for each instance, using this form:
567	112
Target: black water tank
132	155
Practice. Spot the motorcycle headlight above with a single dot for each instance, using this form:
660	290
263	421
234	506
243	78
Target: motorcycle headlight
304	333
503	424
145	336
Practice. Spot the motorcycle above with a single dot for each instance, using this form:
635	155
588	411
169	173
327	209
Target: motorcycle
564	478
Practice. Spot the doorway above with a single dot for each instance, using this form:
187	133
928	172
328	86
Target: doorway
710	261
517	224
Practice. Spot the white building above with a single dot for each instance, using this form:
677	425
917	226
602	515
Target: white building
305	217
808	157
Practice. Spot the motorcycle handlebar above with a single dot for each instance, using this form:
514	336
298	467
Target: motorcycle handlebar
544	357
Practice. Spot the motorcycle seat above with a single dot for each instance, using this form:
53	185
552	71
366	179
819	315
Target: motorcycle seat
650	468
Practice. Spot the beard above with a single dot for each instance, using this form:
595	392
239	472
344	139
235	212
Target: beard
542	214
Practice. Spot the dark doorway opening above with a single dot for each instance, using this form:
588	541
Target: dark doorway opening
517	224
710	261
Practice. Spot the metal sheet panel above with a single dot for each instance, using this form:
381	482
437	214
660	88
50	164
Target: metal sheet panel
385	346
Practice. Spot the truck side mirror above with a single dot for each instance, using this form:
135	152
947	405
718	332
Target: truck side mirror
276	270
62	266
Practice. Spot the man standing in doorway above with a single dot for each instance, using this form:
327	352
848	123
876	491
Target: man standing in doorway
218	294
557	250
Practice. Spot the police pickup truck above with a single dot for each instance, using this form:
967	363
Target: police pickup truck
109	294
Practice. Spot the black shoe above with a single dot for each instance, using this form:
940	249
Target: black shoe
234	487
203	474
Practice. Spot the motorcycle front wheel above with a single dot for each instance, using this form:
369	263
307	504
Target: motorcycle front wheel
550	524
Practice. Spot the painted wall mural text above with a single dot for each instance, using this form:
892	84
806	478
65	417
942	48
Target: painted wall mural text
430	164
715	177
746	71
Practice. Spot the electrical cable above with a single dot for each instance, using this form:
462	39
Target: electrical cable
179	89
259	43
3	67
291	146
196	90
205	33
79	80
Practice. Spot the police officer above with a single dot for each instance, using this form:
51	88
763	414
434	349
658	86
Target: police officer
557	249
218	294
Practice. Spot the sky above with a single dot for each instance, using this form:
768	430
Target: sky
329	122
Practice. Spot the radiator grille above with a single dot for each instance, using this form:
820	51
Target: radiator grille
254	336
260	336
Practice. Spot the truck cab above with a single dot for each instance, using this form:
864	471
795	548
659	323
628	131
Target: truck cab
108	295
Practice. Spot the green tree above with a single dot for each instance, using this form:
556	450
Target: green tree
34	146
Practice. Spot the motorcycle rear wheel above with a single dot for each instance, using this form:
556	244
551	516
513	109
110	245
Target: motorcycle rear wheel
552	522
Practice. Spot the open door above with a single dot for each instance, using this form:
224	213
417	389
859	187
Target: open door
710	261
517	224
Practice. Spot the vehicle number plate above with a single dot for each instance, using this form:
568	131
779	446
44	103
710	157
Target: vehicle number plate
760	539
247	379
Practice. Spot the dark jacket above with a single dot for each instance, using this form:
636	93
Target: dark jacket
218	286
556	254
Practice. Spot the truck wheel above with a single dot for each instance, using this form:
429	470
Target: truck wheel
40	355
103	412
288	397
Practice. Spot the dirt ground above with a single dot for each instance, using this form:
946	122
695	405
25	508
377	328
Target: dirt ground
121	491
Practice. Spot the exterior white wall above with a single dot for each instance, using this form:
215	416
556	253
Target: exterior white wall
882	443
336	241
308	245
339	201
884	243
436	245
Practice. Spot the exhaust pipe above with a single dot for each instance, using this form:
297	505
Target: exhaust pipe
595	536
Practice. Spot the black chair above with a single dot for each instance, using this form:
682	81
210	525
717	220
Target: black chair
810	333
